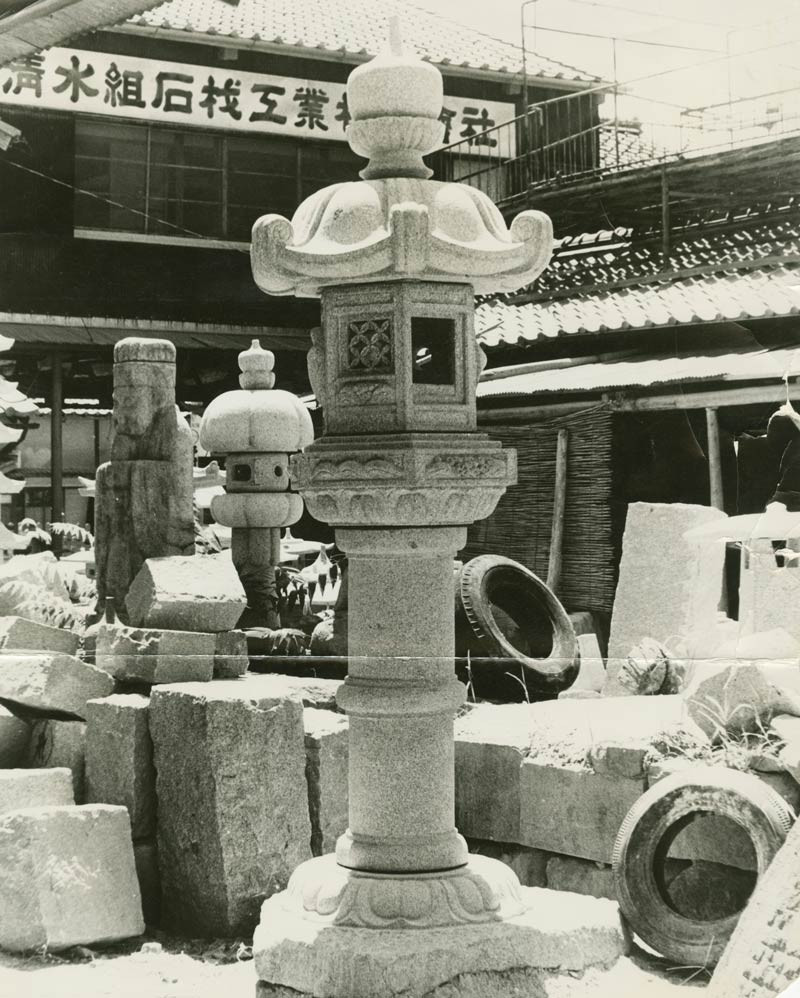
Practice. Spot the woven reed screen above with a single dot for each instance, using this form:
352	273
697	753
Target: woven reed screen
520	526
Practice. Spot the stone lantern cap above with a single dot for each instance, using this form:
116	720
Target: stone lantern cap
396	223
257	418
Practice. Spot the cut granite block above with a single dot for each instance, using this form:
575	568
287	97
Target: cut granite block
50	684
119	759
187	594
21	788
67	878
233	819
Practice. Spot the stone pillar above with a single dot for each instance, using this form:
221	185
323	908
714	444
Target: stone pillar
400	696
399	473
143	505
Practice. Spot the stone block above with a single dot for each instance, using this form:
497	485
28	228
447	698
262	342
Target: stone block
14	737
145	855
230	655
233	816
326	737
581	876
187	594
67	878
530	865
36	569
490	744
119	759
21	788
59	744
767	591
151	655
571	811
668	585
739	697
51	684
614	757
17	632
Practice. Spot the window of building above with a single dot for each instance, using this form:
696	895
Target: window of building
159	181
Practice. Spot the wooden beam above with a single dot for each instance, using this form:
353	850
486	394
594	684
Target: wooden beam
735	394
714	460
555	560
56	443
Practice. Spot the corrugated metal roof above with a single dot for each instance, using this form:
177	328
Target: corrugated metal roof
593	287
354	27
749	365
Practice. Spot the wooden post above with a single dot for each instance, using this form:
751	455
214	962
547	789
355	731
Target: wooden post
559	505
714	461
666	222
56	443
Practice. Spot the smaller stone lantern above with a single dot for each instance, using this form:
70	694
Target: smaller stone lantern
257	429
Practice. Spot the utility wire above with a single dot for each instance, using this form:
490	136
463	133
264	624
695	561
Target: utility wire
650	13
116	204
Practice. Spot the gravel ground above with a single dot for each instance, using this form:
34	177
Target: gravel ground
160	970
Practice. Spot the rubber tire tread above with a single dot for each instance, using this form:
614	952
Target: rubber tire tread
764	815
551	674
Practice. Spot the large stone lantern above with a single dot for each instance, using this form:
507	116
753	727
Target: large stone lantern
257	429
399	472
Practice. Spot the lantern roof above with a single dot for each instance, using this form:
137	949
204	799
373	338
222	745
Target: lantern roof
396	223
257	418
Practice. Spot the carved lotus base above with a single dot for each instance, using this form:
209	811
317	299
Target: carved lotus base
411	479
345	934
483	891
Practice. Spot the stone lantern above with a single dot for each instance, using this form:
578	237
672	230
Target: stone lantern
257	428
399	472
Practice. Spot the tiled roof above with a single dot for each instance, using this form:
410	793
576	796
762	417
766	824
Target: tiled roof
355	27
748	272
34	26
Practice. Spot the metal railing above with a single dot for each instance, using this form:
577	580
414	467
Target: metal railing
565	139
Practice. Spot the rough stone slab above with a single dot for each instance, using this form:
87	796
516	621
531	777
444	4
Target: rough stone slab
668	586
119	759
151	655
741	697
233	818
59	744
37	569
145	856
17	632
580	876
490	744
530	865
67	877
316	958
230	655
326	738
54	685
21	788
14	737
187	594
762	957
767	592
592	670
574	812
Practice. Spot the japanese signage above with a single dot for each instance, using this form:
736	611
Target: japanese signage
129	87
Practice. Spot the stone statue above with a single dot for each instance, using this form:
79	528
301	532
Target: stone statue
143	505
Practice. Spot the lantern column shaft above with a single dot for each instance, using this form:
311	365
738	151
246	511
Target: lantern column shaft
401	695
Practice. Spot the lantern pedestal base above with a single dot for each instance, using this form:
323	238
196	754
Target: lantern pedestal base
336	933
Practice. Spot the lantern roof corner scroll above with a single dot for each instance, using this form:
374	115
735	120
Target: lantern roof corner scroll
396	223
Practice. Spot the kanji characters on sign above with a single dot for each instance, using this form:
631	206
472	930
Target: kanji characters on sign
311	108
75	80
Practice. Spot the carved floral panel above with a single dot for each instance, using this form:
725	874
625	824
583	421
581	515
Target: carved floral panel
369	346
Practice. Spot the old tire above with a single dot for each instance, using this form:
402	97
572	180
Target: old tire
514	629
643	844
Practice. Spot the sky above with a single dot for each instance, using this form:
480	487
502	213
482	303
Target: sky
762	37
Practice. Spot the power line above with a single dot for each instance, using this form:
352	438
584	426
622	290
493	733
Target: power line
650	13
634	41
116	204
